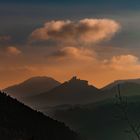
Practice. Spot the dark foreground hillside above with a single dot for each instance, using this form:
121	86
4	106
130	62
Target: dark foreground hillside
19	122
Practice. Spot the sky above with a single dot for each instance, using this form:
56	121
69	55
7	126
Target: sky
96	40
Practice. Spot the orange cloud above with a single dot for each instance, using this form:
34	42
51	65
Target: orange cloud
124	63
73	54
83	31
13	50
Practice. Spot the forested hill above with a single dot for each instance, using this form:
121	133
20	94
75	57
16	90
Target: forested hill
19	122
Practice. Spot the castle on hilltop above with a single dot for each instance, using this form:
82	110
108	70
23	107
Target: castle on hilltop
78	81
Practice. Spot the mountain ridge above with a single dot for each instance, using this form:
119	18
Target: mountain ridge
32	86
77	91
116	82
73	91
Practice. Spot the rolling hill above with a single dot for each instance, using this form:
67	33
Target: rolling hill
74	91
115	83
88	110
32	86
45	93
128	88
102	120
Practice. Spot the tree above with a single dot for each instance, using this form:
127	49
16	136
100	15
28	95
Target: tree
122	104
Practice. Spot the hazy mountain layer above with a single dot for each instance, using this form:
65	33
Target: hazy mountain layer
75	91
32	86
100	121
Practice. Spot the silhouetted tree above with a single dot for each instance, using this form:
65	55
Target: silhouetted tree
122	104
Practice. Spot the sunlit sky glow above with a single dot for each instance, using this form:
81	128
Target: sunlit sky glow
97	40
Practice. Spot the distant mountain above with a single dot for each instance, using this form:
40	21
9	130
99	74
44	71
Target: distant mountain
121	82
44	93
74	91
32	87
101	120
19	122
127	87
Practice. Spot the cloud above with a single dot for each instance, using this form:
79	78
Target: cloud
124	63
73	54
13	50
82	31
83	57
